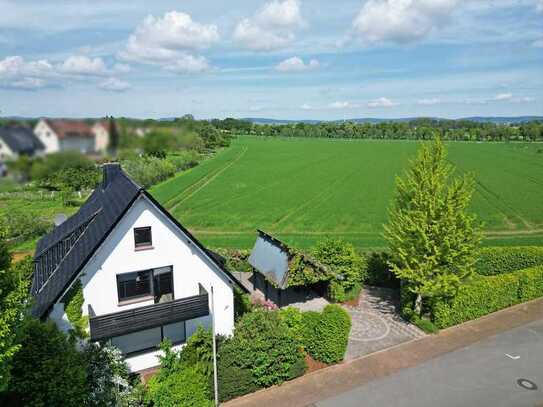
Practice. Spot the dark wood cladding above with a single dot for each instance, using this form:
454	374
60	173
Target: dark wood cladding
149	316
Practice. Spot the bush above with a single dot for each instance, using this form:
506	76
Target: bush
293	319
242	303
261	353
326	335
107	376
149	170
346	264
499	260
25	225
47	370
234	380
378	271
481	296
186	386
530	283
68	170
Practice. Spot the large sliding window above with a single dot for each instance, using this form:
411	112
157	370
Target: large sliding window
150	339
146	284
136	285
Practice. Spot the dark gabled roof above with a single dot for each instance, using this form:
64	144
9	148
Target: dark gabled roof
61	254
20	139
271	258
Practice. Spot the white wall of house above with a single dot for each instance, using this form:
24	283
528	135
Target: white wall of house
101	137
171	247
6	153
47	136
84	145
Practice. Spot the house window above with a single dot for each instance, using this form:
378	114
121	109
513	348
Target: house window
143	237
132	286
163	284
142	285
150	339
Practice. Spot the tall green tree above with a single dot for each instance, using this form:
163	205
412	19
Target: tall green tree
431	234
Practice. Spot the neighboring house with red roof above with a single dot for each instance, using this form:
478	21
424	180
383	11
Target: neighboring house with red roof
73	135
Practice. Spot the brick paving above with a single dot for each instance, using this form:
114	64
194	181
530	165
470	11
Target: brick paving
376	323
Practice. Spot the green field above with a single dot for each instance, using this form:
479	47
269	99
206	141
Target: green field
305	189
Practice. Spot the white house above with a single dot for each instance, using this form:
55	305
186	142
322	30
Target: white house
16	141
143	276
73	135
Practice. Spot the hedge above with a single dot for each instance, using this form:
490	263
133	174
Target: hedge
326	335
486	294
499	260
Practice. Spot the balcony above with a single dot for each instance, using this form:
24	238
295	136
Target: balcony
150	316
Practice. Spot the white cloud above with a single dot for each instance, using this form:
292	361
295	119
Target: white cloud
122	68
296	64
189	64
382	102
270	28
428	102
306	106
503	96
114	85
280	14
16	66
82	65
26	84
539	6
170	41
342	105
400	21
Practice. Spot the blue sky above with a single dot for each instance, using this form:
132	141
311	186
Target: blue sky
312	59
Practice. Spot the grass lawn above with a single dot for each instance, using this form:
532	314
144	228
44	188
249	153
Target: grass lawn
304	189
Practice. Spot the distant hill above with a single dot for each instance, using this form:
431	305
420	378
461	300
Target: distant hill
374	120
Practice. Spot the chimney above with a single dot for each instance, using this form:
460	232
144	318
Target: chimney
110	171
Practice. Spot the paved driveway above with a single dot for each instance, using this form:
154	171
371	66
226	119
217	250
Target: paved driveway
377	324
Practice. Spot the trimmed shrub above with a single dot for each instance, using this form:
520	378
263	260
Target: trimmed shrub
261	353
480	296
234	380
293	318
499	260
530	284
186	386
326	335
47	370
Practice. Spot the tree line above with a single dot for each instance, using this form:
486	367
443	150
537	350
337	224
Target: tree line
416	129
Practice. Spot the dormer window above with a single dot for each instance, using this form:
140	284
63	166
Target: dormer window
143	238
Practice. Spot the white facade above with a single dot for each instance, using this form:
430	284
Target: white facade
47	136
99	142
6	153
101	137
170	247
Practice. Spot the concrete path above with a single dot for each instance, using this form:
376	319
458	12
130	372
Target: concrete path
336	380
377	324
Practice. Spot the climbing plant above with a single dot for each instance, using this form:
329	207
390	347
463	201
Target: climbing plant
73	303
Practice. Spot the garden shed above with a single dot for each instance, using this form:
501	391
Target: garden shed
285	275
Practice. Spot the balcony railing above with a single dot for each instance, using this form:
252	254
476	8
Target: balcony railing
147	317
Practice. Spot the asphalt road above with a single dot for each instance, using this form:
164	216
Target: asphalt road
483	374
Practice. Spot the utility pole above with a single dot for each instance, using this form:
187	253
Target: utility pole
214	341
